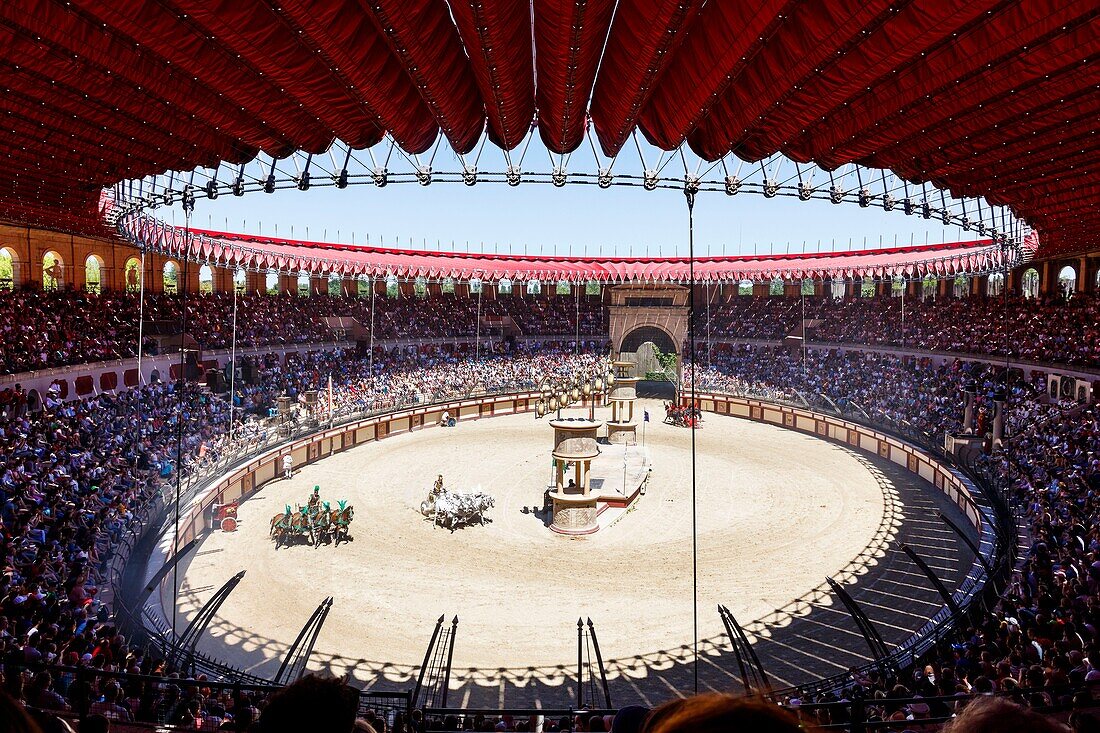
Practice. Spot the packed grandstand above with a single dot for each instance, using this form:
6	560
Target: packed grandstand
149	369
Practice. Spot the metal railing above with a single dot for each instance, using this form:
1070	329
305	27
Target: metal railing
155	701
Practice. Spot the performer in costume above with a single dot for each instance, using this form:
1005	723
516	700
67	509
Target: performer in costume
314	502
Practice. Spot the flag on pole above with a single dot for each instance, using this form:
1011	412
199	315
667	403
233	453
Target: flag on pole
645	415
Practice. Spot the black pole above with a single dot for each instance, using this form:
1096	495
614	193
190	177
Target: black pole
183	651
427	659
297	643
450	658
968	542
874	641
689	193
934	579
599	661
181	292
580	663
326	606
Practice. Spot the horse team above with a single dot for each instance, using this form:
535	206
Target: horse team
319	525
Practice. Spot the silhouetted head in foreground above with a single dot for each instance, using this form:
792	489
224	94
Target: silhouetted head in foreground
312	703
721	714
994	715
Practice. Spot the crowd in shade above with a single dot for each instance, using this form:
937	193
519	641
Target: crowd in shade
1052	330
39	330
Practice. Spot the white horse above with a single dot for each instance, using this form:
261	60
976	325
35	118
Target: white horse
453	510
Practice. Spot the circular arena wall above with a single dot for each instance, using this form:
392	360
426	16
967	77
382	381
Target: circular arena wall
248	478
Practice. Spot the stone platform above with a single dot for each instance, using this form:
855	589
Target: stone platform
613	488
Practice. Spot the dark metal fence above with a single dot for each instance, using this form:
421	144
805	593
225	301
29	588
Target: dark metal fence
164	700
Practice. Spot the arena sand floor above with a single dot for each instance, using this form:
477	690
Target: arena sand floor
778	511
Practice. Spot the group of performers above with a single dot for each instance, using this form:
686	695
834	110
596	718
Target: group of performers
315	519
684	416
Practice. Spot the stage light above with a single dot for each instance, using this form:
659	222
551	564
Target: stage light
864	198
733	185
211	189
381	177
424	175
238	187
469	176
303	181
342	179
269	184
907	205
557	177
926	210
603	179
888	202
965	223
836	195
771	188
981	228
805	192
512	175
649	180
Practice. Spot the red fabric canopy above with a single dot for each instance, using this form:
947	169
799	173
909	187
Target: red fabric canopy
321	258
987	97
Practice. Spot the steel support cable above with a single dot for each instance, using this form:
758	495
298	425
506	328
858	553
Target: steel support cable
689	193
181	289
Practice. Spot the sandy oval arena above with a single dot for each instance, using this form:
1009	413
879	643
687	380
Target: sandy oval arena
777	512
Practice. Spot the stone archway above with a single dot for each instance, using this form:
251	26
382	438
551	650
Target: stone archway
642	346
656	335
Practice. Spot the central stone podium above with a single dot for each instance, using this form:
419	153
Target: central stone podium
574	505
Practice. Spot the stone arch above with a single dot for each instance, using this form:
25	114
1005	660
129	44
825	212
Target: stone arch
93	273
654	333
53	271
133	275
9	268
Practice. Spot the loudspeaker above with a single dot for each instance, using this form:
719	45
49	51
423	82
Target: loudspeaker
215	380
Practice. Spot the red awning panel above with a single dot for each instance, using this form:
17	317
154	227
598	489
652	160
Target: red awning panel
987	98
497	36
421	34
711	56
358	53
569	38
321	258
643	37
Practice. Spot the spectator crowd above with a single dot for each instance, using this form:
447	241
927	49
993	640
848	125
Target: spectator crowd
39	330
76	475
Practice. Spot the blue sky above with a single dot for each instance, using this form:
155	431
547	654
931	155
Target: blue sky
539	218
